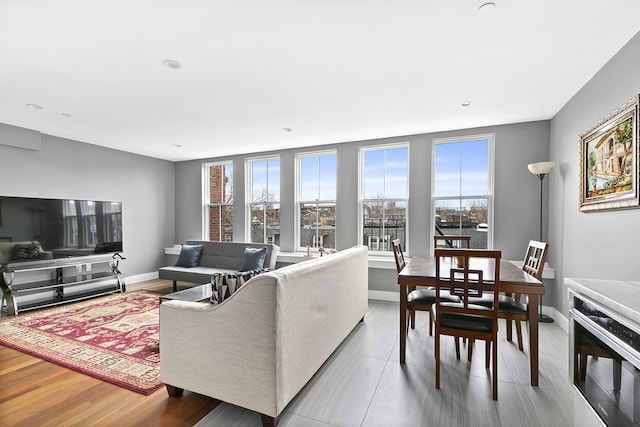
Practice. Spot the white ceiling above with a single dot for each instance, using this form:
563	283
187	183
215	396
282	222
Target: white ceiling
332	70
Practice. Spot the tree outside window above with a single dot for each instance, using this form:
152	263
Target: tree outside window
462	196
317	200
218	204
264	200
384	196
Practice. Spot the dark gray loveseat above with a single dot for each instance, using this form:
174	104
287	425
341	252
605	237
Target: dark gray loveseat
217	257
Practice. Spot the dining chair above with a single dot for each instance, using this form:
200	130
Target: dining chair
459	272
417	299
512	307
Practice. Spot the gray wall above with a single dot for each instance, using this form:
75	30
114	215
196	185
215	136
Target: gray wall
516	192
604	244
62	168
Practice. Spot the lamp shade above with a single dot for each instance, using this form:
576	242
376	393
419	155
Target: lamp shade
541	168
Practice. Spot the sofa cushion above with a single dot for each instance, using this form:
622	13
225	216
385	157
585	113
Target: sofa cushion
253	259
189	256
223	285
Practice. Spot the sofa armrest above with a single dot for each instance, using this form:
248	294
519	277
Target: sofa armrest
225	351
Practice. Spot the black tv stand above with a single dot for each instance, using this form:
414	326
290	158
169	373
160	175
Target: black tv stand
29	286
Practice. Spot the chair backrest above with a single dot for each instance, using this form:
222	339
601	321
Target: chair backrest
451	241
397	253
534	258
468	273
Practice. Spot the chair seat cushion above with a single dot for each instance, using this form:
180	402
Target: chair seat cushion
427	297
464	321
509	305
506	304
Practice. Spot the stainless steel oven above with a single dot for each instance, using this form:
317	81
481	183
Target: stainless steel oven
605	360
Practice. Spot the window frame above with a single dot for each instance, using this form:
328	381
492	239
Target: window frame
207	204
361	199
299	202
490	137
249	195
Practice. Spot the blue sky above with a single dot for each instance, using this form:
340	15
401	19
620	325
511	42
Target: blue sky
318	177
266	172
461	168
389	181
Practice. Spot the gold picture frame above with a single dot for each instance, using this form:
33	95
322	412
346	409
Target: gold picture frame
609	158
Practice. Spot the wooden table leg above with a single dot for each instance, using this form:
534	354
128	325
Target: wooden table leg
534	301
403	321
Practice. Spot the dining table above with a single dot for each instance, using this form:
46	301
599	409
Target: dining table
421	271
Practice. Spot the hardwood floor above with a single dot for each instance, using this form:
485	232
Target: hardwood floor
34	392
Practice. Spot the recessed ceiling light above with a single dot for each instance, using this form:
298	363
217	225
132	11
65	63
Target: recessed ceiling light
177	145
66	114
486	7
34	106
170	63
287	129
466	103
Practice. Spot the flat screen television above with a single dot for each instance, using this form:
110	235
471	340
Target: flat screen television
34	229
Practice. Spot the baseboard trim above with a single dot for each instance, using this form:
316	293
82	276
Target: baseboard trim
384	296
132	281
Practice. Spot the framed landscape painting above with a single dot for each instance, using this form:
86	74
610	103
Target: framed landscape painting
609	159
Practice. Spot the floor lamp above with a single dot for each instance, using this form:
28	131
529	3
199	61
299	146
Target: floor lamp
541	170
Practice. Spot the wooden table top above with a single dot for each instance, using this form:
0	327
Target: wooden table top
422	271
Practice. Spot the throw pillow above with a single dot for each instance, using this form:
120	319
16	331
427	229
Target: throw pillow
223	285
26	251
253	259
189	256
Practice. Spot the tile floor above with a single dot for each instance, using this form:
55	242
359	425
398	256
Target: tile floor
363	384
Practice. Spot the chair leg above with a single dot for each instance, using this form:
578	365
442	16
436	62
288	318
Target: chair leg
617	374
583	366
437	354
509	329
494	375
430	323
413	319
487	353
519	335
457	341
470	349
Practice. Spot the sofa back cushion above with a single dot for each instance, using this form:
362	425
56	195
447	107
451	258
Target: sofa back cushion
228	255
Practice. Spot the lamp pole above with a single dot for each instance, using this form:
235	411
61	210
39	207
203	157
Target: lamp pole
541	170
541	176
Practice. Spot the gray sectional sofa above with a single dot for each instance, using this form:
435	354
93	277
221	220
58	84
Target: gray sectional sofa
216	257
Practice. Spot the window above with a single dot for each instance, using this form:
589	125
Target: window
462	189
218	201
70	219
384	183
112	221
263	178
316	200
88	217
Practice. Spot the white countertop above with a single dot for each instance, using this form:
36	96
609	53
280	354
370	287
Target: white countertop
620	296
